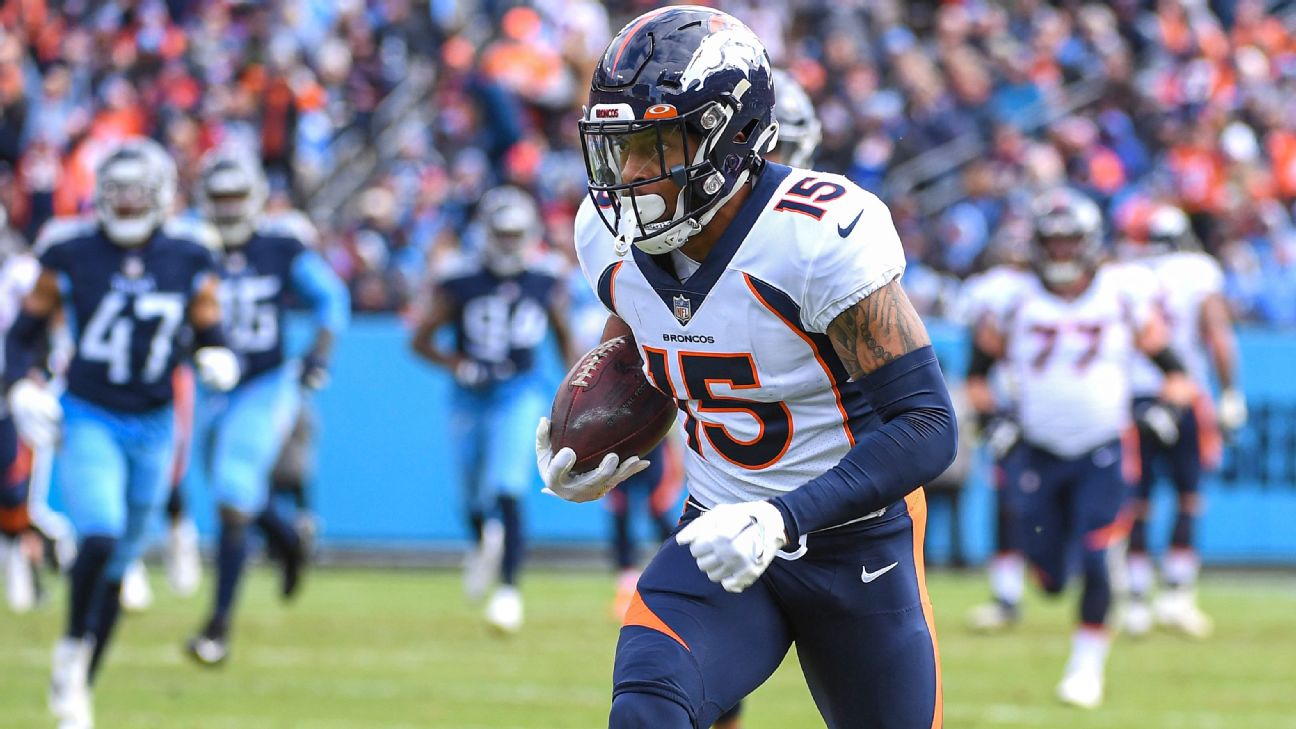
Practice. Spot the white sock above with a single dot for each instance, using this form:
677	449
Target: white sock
1089	647
1008	577
1180	568
1141	574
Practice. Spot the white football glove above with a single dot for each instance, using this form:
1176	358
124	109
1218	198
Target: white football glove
1162	422
36	411
555	469
734	543
1232	410
217	367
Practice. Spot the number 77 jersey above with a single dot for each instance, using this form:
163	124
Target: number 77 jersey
740	344
1071	359
126	308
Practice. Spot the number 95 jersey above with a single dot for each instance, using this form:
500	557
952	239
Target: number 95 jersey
126	308
740	344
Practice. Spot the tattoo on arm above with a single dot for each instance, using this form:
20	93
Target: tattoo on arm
877	330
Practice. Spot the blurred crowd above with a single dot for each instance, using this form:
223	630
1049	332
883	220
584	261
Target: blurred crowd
952	111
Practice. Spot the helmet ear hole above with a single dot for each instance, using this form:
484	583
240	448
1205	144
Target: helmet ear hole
746	132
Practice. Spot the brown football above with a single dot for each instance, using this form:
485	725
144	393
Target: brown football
606	405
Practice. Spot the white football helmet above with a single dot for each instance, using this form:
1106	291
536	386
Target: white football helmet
232	191
1068	236
1170	230
135	188
512	226
799	129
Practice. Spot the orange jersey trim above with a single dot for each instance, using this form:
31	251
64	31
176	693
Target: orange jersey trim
850	437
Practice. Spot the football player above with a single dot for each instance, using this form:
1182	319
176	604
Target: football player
1069	337
20	546
131	284
799	131
767	299
263	259
986	296
1183	440
501	302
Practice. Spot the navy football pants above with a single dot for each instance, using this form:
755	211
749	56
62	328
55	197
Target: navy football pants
868	649
1070	510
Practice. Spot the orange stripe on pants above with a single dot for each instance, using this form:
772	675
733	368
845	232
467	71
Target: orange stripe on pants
641	615
916	502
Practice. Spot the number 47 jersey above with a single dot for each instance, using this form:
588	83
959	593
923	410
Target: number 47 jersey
740	343
126	308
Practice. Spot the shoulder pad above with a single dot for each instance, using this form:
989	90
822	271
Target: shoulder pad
193	229
456	265
550	264
62	230
290	224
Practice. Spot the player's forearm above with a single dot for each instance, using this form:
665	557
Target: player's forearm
21	343
423	346
1217	331
916	443
322	347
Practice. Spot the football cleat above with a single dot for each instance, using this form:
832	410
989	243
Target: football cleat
183	561
69	689
1082	686
209	648
1138	620
481	566
136	594
1176	609
993	617
504	611
22	590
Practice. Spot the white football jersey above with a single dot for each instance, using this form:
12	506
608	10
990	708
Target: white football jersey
764	400
1071	359
987	295
1185	280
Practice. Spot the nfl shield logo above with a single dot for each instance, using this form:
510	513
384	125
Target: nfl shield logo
683	309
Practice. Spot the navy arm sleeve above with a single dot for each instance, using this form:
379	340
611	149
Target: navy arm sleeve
916	443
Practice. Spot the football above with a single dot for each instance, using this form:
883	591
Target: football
606	405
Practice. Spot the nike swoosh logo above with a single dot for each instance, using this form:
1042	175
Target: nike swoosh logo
868	577
843	232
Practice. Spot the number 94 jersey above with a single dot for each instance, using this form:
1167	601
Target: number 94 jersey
126	308
765	402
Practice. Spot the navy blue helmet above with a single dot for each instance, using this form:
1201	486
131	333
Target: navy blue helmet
689	88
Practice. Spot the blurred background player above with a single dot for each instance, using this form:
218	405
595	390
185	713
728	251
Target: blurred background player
799	132
21	549
132	284
1069	336
1183	441
658	488
502	303
264	260
990	392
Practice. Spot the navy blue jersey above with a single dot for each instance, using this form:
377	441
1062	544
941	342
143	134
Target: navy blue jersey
128	310
256	279
500	321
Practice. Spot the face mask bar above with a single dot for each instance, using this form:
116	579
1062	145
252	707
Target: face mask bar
605	144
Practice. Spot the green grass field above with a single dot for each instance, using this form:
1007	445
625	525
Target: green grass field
395	649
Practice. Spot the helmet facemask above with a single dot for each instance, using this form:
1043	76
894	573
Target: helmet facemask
683	148
233	194
134	190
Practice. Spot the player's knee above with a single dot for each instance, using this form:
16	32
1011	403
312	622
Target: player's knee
236	517
637	710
